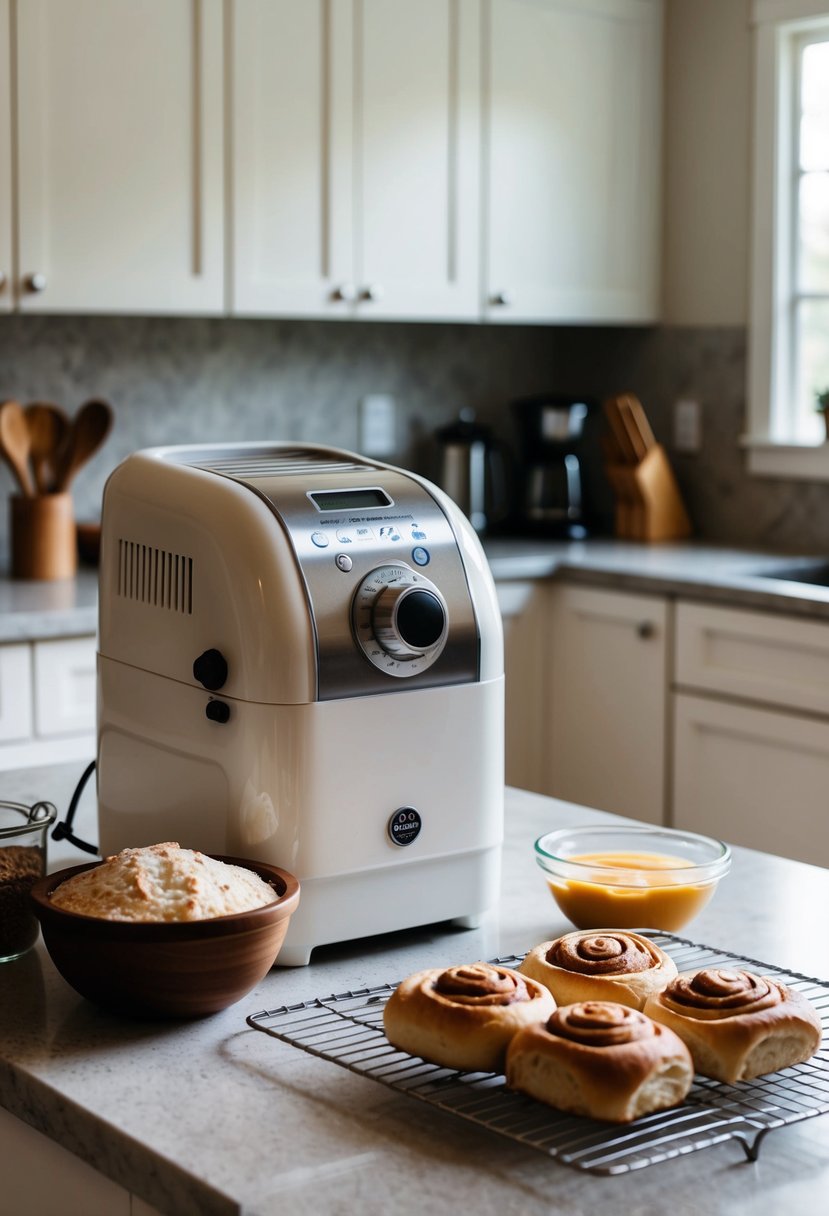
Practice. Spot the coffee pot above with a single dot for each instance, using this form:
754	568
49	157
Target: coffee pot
472	469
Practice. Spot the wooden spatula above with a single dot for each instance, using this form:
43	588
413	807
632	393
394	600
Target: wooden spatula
87	431
48	427
14	444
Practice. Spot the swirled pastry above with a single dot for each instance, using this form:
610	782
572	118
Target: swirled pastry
464	1017
738	1025
601	1059
600	965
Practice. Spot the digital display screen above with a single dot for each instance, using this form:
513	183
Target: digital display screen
349	500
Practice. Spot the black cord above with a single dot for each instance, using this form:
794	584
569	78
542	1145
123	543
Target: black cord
63	830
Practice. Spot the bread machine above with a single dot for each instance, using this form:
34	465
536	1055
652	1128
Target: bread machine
301	662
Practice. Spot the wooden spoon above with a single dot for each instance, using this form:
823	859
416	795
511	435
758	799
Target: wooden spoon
14	444
48	427
87	431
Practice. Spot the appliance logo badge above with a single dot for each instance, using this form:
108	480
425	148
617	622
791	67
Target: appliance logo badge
404	825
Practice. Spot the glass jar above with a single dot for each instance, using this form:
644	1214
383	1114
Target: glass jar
23	835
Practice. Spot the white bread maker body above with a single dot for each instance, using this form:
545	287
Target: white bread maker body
301	661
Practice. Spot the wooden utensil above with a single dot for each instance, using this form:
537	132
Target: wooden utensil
48	427
87	431
619	430
640	420
14	444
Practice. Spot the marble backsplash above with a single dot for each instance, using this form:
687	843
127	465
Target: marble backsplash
185	380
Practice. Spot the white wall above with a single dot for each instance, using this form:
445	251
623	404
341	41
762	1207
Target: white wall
708	81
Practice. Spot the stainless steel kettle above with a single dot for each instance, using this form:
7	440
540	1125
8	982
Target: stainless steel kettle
472	469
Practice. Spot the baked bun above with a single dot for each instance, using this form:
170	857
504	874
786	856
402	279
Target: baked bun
738	1025
601	1059
464	1017
600	965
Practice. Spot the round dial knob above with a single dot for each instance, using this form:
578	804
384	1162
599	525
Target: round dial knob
408	620
400	620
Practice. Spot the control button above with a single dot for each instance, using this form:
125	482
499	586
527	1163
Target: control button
210	669
418	533
343	562
319	539
363	532
217	711
344	536
404	825
389	532
420	556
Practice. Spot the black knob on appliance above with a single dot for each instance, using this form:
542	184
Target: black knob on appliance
420	619
210	669
217	711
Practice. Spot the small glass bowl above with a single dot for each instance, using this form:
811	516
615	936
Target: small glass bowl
631	877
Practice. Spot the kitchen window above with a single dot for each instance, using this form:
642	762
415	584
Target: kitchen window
789	335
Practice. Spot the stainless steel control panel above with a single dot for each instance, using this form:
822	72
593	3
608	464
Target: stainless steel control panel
384	579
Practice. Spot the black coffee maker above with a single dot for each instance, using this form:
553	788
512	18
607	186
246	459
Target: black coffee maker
550	491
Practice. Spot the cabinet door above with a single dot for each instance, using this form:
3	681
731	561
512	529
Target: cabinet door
355	158
292	148
417	135
15	692
753	777
5	164
608	690
64	682
522	606
120	155
572	99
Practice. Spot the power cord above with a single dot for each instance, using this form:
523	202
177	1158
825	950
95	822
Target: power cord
63	829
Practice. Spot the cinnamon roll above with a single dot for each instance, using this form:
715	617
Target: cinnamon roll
600	965
601	1059
738	1025
464	1017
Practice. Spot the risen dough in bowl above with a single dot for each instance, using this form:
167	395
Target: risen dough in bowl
162	882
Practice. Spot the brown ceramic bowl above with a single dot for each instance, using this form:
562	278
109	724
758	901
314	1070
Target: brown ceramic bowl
159	969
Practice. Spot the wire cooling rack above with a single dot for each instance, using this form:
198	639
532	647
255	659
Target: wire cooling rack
347	1028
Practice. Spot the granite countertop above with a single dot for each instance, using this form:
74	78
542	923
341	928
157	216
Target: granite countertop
213	1117
31	610
60	609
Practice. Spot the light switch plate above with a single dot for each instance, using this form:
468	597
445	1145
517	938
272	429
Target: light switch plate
378	425
687	425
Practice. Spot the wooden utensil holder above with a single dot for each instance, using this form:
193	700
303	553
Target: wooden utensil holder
649	505
43	541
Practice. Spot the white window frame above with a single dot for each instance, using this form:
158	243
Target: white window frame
779	28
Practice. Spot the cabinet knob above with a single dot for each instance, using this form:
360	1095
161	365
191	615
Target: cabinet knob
372	292
35	282
502	298
646	629
346	292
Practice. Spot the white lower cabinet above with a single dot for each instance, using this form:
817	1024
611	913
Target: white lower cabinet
47	701
40	1176
607	684
751	776
751	729
522	612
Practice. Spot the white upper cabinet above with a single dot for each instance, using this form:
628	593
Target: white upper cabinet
5	163
355	162
120	156
572	173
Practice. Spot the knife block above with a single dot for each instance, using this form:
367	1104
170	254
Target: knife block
648	505
43	540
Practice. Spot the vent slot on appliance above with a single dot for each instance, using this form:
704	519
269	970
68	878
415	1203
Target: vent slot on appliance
156	577
279	464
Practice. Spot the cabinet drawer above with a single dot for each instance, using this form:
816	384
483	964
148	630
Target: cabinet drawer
775	660
64	682
15	692
751	776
